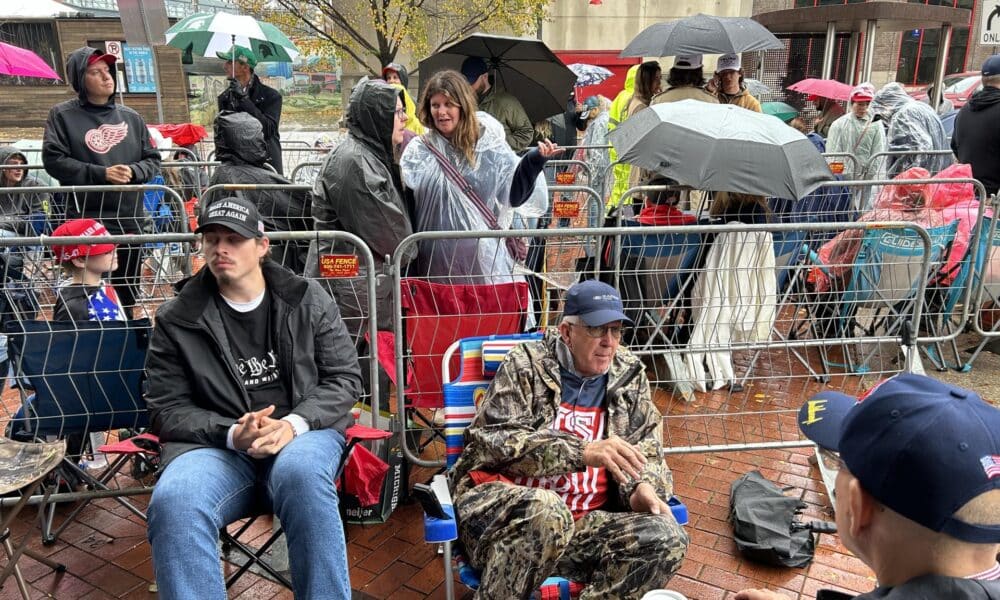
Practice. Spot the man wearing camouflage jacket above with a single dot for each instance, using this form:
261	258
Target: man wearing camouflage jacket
562	472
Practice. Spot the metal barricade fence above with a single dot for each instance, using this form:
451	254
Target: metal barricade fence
951	299
292	157
565	172
735	336
848	166
985	284
148	269
571	149
796	336
950	303
571	207
305	173
188	177
82	372
897	161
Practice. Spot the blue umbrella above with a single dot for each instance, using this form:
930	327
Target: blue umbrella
589	74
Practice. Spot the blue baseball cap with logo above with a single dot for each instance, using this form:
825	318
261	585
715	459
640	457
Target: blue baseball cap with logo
921	447
991	66
596	303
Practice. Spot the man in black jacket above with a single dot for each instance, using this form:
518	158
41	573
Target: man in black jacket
251	380
976	139
90	140
917	494
247	94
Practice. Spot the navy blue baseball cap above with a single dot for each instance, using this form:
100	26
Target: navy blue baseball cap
991	66
472	68
921	447
596	303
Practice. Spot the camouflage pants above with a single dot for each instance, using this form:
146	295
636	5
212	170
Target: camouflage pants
517	536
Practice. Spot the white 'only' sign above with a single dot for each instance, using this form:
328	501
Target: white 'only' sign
989	23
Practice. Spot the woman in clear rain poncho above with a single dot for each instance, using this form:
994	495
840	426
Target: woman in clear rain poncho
911	125
473	144
858	134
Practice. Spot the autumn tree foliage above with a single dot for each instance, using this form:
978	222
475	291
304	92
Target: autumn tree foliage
372	32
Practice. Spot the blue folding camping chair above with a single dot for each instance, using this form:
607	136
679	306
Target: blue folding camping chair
655	292
885	275
78	378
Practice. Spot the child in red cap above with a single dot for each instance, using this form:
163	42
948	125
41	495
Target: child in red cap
86	297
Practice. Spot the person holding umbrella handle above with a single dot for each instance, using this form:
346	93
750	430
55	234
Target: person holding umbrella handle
247	94
506	108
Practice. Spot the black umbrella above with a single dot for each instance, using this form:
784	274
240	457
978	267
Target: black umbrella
766	526
524	67
702	34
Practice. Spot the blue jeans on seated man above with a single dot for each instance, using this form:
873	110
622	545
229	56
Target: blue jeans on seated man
206	489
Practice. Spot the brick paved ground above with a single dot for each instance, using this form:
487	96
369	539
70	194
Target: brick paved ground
107	555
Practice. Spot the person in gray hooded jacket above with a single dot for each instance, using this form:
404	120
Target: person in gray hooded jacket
359	191
22	212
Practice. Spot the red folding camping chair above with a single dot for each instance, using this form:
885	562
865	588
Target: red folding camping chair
434	316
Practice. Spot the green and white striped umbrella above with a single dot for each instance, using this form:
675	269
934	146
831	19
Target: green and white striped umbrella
204	34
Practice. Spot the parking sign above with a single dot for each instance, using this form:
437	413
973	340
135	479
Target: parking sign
113	47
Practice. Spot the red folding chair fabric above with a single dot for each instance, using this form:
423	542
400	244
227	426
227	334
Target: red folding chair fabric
436	315
364	472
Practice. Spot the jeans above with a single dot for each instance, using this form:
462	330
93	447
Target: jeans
205	489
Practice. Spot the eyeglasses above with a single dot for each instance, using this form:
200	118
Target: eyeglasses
831	459
600	331
401	114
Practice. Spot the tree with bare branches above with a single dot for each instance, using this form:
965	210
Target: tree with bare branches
371	32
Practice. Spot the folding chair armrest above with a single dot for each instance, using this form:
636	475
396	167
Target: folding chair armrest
813	259
437	531
679	510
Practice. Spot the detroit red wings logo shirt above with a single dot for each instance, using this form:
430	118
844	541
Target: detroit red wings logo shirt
102	139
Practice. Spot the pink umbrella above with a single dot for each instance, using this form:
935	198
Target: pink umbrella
825	88
23	63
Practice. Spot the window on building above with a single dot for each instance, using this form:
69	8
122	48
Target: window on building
919	48
41	39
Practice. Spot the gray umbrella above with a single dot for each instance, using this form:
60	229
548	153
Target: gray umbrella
526	68
756	88
702	34
721	147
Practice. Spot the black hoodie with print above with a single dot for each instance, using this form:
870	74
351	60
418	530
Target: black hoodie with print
976	139
82	140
